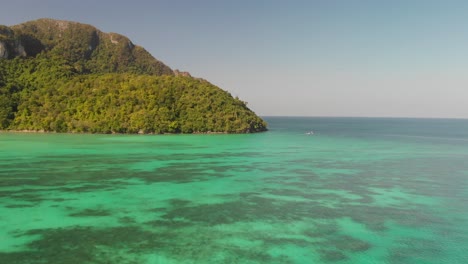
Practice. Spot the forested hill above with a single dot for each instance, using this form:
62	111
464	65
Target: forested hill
63	76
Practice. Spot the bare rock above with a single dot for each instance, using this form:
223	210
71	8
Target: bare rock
182	73
3	50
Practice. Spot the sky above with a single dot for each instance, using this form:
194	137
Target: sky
364	58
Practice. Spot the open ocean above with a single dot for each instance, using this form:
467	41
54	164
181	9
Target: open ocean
357	190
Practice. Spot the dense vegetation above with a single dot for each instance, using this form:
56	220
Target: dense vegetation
68	77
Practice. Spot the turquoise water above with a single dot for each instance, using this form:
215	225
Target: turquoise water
359	190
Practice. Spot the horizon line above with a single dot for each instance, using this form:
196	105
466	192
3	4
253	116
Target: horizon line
380	117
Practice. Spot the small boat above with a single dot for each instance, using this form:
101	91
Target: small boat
310	133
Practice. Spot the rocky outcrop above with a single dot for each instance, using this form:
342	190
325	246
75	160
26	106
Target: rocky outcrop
20	50
3	51
182	73
15	49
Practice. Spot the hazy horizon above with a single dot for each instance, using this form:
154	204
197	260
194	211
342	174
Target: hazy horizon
298	58
362	117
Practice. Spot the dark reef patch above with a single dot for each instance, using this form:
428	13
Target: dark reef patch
81	245
128	245
91	212
19	205
347	243
332	255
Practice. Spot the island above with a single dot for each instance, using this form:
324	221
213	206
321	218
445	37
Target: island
63	76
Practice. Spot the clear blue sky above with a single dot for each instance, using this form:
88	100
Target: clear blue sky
312	58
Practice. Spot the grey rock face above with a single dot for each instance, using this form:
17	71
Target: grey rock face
3	50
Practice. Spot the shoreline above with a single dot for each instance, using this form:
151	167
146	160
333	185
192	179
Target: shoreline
26	131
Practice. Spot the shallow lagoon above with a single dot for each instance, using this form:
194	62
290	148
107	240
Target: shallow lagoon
356	191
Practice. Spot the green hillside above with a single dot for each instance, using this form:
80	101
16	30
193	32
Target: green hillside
63	76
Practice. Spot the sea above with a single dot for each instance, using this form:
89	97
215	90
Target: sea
310	190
